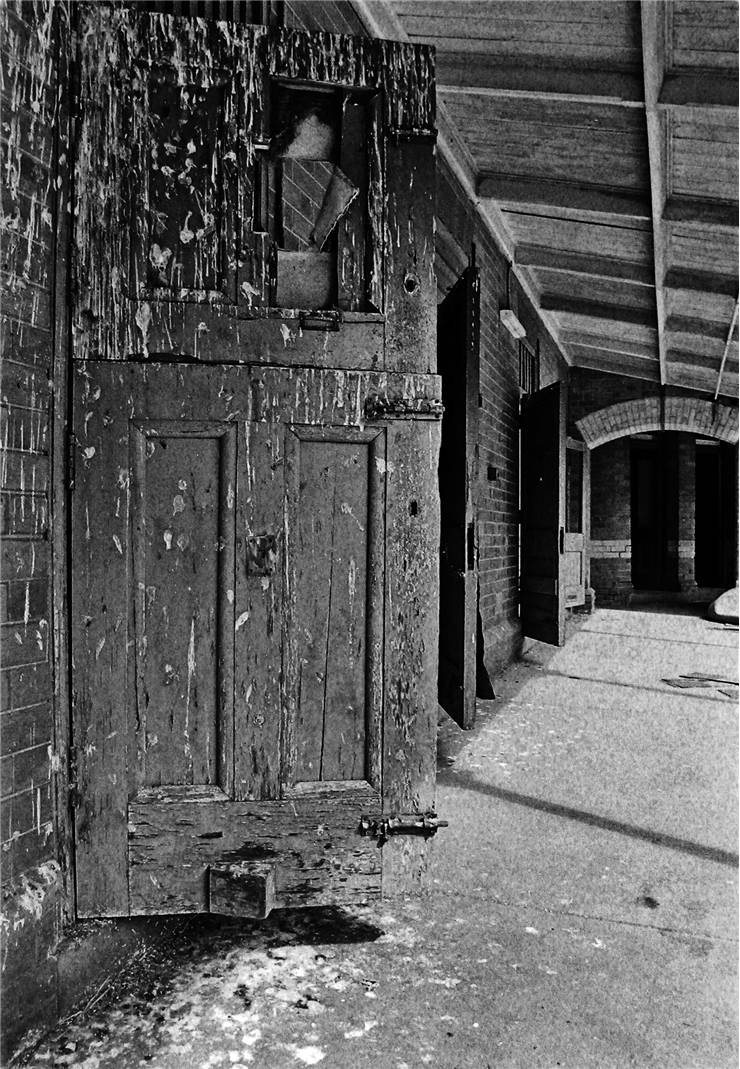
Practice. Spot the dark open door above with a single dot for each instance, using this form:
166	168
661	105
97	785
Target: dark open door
542	590
458	362
255	485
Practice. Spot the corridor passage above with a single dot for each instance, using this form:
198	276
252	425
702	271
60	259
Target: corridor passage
582	909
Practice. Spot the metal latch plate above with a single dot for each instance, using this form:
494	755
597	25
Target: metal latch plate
382	827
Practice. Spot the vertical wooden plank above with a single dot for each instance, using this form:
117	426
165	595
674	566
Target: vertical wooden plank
376	608
104	403
261	589
411	638
410	286
351	234
376	206
61	429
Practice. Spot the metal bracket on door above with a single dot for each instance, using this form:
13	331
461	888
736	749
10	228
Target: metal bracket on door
381	828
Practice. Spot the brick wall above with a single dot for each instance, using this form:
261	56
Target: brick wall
31	878
605	410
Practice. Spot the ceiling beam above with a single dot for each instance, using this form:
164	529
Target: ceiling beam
680	209
703	328
690	378
615	313
625	346
582	263
519	189
616	364
653	20
381	21
701	88
582	84
691	358
679	278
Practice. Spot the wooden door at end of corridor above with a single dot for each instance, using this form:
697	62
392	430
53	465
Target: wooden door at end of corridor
577	509
458	363
542	529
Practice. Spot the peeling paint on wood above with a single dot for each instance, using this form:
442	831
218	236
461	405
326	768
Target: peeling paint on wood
255	507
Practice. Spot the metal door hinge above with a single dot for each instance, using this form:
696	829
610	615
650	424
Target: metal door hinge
381	828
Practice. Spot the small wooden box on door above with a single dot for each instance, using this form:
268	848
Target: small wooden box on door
255	507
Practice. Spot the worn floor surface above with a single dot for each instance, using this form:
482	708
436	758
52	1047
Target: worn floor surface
583	905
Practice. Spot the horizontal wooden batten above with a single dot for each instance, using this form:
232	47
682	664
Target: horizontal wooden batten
608	341
694	359
517	189
579	263
700	88
475	72
172	847
554	302
699	210
689	325
633	367
609	291
703	380
680	278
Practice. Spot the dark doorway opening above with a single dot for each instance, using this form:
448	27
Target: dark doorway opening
716	514
654	501
460	649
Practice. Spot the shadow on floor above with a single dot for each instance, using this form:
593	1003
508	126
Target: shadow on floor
468	782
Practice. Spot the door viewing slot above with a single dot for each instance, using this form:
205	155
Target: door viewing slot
183	538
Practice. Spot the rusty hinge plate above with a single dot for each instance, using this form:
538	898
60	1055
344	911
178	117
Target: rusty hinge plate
381	828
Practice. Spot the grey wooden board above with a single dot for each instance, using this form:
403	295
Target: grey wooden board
320	857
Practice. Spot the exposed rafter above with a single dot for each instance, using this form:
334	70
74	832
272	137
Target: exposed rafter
580	263
515	189
579	84
653	63
598	144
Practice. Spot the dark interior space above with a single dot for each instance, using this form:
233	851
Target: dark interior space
654	492
716	514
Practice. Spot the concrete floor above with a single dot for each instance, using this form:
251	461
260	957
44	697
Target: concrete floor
583	905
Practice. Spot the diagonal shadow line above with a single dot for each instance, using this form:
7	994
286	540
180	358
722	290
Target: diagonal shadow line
656	638
672	692
659	838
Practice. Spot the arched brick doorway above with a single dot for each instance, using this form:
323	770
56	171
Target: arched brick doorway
664	496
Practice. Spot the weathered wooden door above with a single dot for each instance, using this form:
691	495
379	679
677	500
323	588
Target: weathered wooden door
576	522
458	362
542	587
255	514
